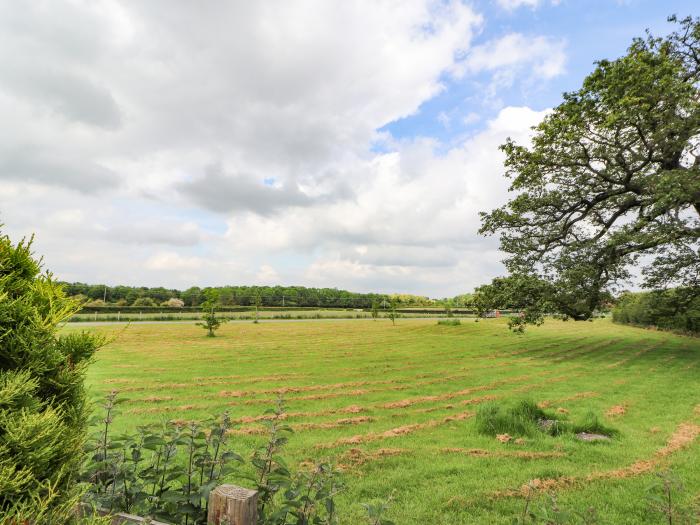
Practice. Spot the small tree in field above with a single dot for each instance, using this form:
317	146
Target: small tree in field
258	303
211	322
43	404
392	312
448	308
375	309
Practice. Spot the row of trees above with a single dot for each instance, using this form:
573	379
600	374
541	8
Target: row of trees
98	294
676	309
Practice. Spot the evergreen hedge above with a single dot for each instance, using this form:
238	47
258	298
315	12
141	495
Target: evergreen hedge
43	404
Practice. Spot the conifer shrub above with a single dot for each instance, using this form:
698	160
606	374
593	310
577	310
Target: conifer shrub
43	405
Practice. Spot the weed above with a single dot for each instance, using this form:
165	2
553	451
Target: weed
663	495
376	511
522	419
591	424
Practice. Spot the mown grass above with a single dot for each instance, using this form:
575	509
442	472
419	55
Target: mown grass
396	407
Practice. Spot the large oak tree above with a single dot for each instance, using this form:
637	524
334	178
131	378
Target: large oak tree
612	179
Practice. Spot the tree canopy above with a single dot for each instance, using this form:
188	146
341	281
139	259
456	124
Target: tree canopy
612	179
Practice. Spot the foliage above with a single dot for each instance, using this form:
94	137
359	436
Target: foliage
522	419
166	471
391	314
257	302
525	418
278	296
375	309
591	424
376	512
302	498
550	512
97	303
448	308
43	407
662	497
529	295
613	174
449	322
173	302
210	321
675	309
407	299
462	300
144	301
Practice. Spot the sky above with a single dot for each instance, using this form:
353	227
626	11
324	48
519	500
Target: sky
347	144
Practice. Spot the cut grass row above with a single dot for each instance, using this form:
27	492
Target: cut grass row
395	405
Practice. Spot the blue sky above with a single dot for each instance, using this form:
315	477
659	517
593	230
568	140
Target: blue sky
307	142
590	29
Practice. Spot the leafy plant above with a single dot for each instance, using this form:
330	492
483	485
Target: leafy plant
163	471
375	309
449	322
550	512
376	512
43	405
302	498
258	303
167	472
210	321
662	496
391	314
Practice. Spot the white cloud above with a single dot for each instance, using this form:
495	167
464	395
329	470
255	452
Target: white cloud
166	261
511	5
514	4
545	56
267	275
138	138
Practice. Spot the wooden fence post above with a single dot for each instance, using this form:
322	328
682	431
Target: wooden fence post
232	505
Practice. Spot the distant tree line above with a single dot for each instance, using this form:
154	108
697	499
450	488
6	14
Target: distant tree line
276	296
673	309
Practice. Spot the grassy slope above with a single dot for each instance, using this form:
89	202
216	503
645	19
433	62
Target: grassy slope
366	364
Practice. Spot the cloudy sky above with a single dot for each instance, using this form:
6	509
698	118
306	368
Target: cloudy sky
321	143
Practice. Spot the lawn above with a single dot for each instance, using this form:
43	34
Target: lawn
394	406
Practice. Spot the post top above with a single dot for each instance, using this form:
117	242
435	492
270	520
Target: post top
235	492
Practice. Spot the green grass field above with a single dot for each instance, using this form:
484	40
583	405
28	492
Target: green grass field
394	406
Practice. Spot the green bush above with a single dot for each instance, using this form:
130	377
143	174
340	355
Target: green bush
449	322
43	405
675	309
144	301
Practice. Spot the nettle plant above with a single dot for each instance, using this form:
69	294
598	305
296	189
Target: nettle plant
302	498
167	471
